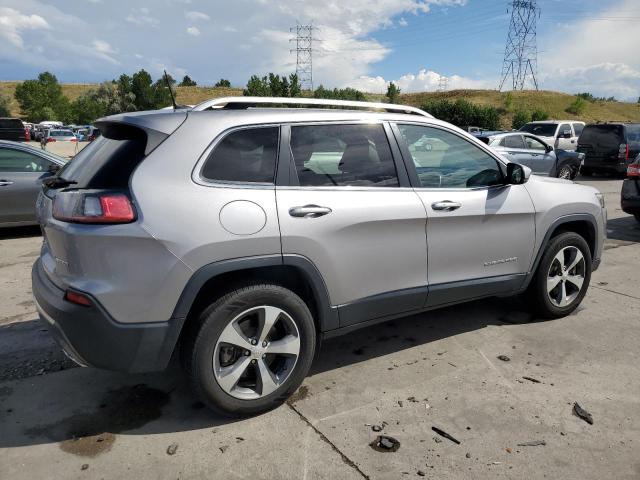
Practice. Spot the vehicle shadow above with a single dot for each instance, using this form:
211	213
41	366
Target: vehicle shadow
626	229
82	408
20	232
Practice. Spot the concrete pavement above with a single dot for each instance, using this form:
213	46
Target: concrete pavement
438	369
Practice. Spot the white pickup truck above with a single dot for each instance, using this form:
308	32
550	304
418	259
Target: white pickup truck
561	134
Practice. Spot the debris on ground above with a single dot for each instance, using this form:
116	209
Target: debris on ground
534	443
421	473
376	428
384	443
582	413
172	449
468	455
223	448
531	379
437	439
400	403
504	358
508	450
444	434
84	466
413	400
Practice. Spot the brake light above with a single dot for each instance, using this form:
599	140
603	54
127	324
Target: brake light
77	298
27	134
633	170
623	151
93	207
51	139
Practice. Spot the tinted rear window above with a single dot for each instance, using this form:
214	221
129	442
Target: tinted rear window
607	136
633	135
10	123
540	129
247	155
106	163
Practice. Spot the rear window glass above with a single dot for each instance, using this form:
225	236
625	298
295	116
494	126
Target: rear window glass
609	136
106	163
633	135
247	155
10	123
577	128
540	129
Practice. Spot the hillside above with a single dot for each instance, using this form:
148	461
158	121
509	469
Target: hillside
554	103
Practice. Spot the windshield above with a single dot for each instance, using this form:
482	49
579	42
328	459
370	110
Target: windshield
605	136
540	129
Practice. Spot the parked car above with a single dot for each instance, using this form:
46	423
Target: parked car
630	195
60	136
561	134
245	235
93	134
533	152
609	147
13	129
22	170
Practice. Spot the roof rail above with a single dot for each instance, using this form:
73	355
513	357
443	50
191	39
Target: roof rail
248	102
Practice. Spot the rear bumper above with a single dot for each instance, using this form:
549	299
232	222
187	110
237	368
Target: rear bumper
90	337
601	166
630	196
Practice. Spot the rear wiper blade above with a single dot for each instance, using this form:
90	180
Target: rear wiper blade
58	182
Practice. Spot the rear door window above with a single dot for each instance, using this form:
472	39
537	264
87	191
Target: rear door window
247	155
533	144
343	155
577	128
512	141
633	135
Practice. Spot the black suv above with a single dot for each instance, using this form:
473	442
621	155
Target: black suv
13	129
609	147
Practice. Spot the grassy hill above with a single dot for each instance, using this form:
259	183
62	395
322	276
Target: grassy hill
554	103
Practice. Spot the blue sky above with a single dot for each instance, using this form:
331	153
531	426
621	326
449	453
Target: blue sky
585	45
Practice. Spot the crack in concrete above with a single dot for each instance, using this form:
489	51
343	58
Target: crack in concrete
333	446
613	291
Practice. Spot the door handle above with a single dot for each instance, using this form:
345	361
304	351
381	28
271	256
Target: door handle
4	183
446	205
309	211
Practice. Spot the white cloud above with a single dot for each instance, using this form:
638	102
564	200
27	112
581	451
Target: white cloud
196	16
195	31
140	16
103	47
423	81
402	22
13	23
598	55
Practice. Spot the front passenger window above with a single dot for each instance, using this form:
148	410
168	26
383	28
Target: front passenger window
445	160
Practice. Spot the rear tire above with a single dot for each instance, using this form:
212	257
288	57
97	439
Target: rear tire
566	172
562	278
251	350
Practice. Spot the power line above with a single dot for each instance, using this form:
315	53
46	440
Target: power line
304	54
443	83
521	53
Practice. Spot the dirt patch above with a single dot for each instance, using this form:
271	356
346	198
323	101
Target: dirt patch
92	433
301	394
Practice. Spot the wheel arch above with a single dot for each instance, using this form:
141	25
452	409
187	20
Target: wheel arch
295	272
583	224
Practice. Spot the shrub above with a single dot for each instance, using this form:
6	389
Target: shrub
393	92
5	110
508	101
577	106
538	115
464	113
520	118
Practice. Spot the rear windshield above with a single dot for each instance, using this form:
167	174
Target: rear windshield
633	135
540	129
106	163
606	136
10	123
61	133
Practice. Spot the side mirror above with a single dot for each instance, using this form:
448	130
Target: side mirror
517	174
53	168
549	148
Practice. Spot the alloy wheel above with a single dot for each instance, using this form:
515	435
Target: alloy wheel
565	172
566	276
256	352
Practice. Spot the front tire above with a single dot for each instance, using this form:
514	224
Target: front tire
566	172
251	350
562	278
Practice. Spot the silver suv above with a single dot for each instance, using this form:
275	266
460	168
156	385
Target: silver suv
241	235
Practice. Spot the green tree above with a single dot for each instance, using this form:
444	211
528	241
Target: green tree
464	113
520	118
294	85
393	93
142	88
5	108
223	83
42	99
187	82
257	87
339	94
162	94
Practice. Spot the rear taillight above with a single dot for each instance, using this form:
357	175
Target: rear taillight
633	170
77	298
623	151
27	134
51	139
92	206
